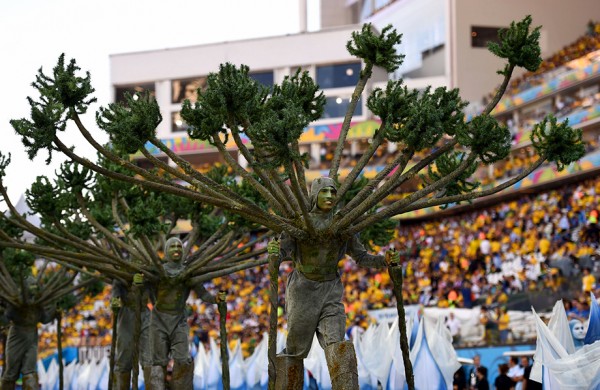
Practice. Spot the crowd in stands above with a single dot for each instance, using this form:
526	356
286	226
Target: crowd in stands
536	243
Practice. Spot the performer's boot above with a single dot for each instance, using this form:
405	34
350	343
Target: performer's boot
30	381
290	373
343	368
157	378
5	384
147	375
183	376
122	380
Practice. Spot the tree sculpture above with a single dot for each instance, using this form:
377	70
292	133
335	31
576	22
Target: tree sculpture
90	223
29	300
428	123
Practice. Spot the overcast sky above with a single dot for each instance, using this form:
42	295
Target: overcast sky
34	33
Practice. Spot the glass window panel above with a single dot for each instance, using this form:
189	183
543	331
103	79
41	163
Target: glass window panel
338	76
264	78
336	107
187	89
480	36
177	123
120	91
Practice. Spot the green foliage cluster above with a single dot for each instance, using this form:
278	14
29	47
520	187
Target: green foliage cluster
18	262
445	165
292	106
378	50
61	92
145	211
519	44
43	198
486	138
132	123
558	142
231	98
418	120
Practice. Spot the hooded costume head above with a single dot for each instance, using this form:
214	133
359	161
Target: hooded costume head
577	331
170	242
316	186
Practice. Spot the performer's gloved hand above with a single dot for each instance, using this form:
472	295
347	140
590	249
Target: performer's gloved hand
138	279
392	257
273	247
115	303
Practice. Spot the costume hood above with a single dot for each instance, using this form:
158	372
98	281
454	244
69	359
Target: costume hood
316	186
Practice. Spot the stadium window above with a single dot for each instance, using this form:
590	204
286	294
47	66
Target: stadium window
264	78
187	89
336	106
177	123
120	91
480	36
338	76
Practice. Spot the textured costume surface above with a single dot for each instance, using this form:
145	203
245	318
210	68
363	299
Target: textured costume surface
22	344
125	334
168	325
314	293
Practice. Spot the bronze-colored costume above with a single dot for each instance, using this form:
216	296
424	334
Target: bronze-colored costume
125	339
22	344
314	298
169	331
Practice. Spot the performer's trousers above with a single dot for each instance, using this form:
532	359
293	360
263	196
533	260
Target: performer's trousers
21	352
125	342
313	306
169	333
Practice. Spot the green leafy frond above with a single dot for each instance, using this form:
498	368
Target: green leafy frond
232	98
65	86
132	123
4	163
75	177
378	50
292	106
9	228
519	44
557	142
43	198
444	166
18	262
39	133
486	138
418	120
144	215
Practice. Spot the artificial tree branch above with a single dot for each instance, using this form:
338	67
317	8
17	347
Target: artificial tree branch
211	253
397	179
139	252
237	168
183	176
238	267
500	91
98	226
362	162
271	221
401	161
221	264
41	271
304	207
393	209
275	190
430	202
365	74
300	170
221	190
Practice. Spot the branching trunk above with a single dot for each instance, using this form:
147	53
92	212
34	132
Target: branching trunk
273	300
396	276
430	202
395	208
61	378
222	307
365	74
